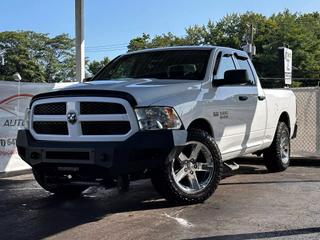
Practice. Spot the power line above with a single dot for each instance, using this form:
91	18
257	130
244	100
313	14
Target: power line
107	46
107	49
102	48
112	44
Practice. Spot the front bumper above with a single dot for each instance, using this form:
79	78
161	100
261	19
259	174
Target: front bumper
145	149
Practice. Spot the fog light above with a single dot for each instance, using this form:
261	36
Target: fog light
35	155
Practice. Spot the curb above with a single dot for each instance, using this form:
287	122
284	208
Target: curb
294	161
15	173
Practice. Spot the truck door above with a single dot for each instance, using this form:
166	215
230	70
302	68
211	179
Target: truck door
257	109
233	108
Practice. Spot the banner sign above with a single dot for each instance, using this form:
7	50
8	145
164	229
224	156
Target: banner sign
14	99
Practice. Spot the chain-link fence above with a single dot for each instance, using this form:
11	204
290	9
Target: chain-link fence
307	142
307	91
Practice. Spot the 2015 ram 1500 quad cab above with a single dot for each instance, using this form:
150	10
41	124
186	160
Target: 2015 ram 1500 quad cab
174	114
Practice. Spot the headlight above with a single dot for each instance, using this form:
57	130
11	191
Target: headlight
26	119
156	118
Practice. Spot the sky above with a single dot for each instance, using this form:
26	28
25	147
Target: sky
110	25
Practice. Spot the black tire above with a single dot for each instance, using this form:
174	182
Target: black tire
58	189
273	158
164	182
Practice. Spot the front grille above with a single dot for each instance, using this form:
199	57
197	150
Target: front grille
101	108
50	109
97	119
55	128
105	128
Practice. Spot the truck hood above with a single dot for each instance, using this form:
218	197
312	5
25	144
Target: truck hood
145	91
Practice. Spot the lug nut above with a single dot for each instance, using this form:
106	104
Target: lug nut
195	166
191	172
186	169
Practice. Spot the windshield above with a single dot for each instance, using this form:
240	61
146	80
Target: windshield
164	64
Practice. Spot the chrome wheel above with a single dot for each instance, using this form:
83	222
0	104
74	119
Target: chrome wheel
193	169
284	147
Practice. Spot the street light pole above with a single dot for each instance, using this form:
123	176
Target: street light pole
79	19
2	57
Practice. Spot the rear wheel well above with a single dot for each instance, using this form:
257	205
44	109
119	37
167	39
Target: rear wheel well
284	117
201	124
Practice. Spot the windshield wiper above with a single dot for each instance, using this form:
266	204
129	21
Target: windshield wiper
145	76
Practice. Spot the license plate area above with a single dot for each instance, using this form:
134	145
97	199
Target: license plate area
69	155
68	169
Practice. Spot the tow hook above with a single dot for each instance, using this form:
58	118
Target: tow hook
123	183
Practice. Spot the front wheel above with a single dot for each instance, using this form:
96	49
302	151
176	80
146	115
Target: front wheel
277	156
193	174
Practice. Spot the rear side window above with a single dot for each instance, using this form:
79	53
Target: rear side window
244	64
226	63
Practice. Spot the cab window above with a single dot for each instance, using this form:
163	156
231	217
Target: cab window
244	64
226	63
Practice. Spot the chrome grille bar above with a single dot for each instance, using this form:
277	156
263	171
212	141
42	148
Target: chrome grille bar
120	124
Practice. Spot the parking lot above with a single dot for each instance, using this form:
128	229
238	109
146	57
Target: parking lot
249	204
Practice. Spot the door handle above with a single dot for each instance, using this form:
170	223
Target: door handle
243	98
261	98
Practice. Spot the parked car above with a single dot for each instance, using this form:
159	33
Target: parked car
175	115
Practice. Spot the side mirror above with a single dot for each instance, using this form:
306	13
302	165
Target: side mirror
233	77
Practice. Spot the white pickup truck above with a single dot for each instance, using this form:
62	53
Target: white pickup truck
175	115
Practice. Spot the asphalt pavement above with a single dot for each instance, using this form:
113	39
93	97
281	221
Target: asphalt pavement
249	204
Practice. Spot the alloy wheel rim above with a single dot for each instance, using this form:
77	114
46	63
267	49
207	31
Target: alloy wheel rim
193	168
284	148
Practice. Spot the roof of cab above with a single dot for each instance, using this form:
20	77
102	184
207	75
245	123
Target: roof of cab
204	47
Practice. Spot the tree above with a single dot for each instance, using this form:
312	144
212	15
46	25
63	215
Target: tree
139	43
301	32
37	57
40	58
94	66
164	40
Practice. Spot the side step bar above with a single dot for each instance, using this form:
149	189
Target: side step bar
232	165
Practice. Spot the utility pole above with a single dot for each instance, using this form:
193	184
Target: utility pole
251	33
79	19
250	48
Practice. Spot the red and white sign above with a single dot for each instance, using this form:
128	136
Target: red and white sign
14	99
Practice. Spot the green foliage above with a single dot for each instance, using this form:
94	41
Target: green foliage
139	43
37	57
296	84
40	58
301	32
164	40
94	66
